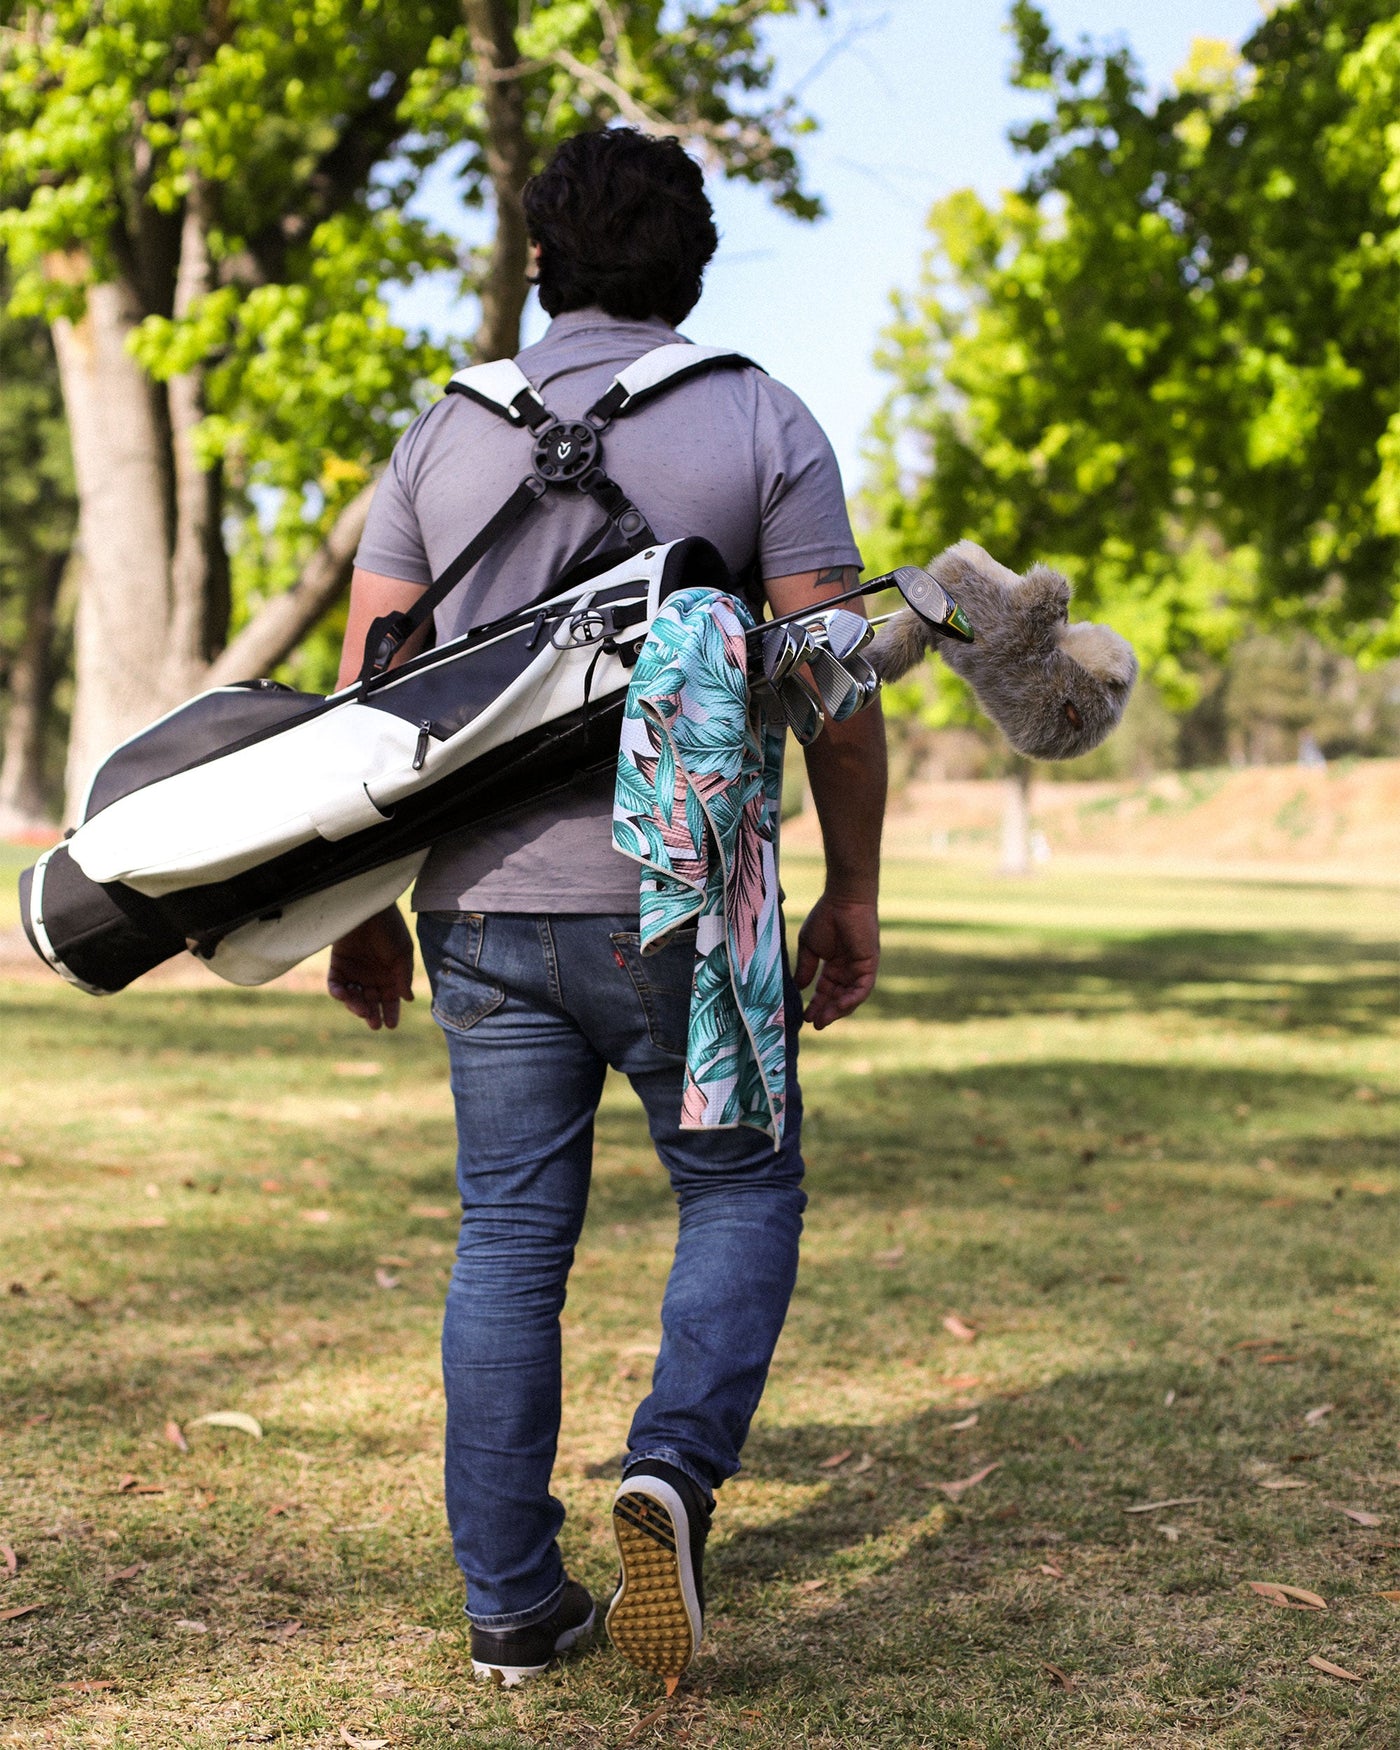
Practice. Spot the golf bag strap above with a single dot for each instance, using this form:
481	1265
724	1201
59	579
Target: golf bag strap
655	372
390	632
504	388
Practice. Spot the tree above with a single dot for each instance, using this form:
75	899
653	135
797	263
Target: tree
206	202
1171	362
37	515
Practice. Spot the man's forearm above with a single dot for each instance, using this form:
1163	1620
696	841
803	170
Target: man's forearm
846	768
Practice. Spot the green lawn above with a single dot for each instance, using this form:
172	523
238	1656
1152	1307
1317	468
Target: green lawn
1140	1134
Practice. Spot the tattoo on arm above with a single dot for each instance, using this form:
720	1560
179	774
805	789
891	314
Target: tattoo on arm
842	574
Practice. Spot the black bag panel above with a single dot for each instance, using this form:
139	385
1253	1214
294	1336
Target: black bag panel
696	563
209	726
104	936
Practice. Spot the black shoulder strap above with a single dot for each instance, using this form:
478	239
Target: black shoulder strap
565	454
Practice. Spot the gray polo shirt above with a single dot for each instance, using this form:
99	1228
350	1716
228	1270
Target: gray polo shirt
732	456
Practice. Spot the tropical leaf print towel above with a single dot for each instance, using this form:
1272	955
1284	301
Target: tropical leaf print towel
699	778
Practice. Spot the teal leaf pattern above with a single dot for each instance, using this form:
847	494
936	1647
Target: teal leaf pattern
699	781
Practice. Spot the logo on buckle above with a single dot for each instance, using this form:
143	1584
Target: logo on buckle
565	451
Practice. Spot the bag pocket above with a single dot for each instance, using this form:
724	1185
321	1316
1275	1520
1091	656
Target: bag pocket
662	982
462	994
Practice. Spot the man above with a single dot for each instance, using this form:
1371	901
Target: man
528	929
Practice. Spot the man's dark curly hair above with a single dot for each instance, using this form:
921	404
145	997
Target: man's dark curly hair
623	224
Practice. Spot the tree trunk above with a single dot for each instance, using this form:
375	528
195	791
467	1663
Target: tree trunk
1016	821
509	157
24	802
121	461
194	630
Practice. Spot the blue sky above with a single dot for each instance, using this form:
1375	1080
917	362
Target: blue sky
913	102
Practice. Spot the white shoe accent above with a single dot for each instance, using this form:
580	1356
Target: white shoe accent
510	1675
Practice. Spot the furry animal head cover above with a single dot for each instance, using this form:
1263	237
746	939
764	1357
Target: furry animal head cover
1054	688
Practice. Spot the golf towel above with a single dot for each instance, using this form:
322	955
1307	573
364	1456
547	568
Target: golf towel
699	779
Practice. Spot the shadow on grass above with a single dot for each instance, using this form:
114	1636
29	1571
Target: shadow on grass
1254	978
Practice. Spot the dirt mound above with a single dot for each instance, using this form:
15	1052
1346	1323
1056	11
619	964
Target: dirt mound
1344	819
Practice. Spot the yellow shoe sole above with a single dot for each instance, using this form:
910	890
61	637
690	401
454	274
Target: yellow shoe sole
654	1620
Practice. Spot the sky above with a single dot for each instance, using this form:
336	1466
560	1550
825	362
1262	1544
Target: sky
913	102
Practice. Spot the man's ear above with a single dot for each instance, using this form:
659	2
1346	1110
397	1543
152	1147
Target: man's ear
532	272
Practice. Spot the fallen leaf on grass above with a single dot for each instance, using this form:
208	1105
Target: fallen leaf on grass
864	1463
1172	1533
654	1717
125	1573
835	1459
1278	1360
1254	1343
176	1436
88	1684
18	1610
888	1260
1315	1418
1289	1597
284	1631
132	1485
1157	1506
189	1625
816	1586
967	1422
956	1491
1061	1679
245	1424
9	1558
431	1211
385	1280
1055	1573
1359	1516
1320	1664
1285	1483
959	1329
960	1381
1391	1597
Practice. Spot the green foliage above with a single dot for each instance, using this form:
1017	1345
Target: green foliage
303	129
1171	362
38	505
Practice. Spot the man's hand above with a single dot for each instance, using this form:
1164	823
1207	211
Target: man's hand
842	937
372	969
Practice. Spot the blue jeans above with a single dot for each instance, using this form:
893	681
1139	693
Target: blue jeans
534	1010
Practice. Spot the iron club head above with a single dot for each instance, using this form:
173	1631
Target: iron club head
843	632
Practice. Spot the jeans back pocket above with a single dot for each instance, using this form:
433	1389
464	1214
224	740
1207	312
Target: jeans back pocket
662	982
462	994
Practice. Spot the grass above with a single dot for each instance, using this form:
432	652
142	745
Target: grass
1125	1130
